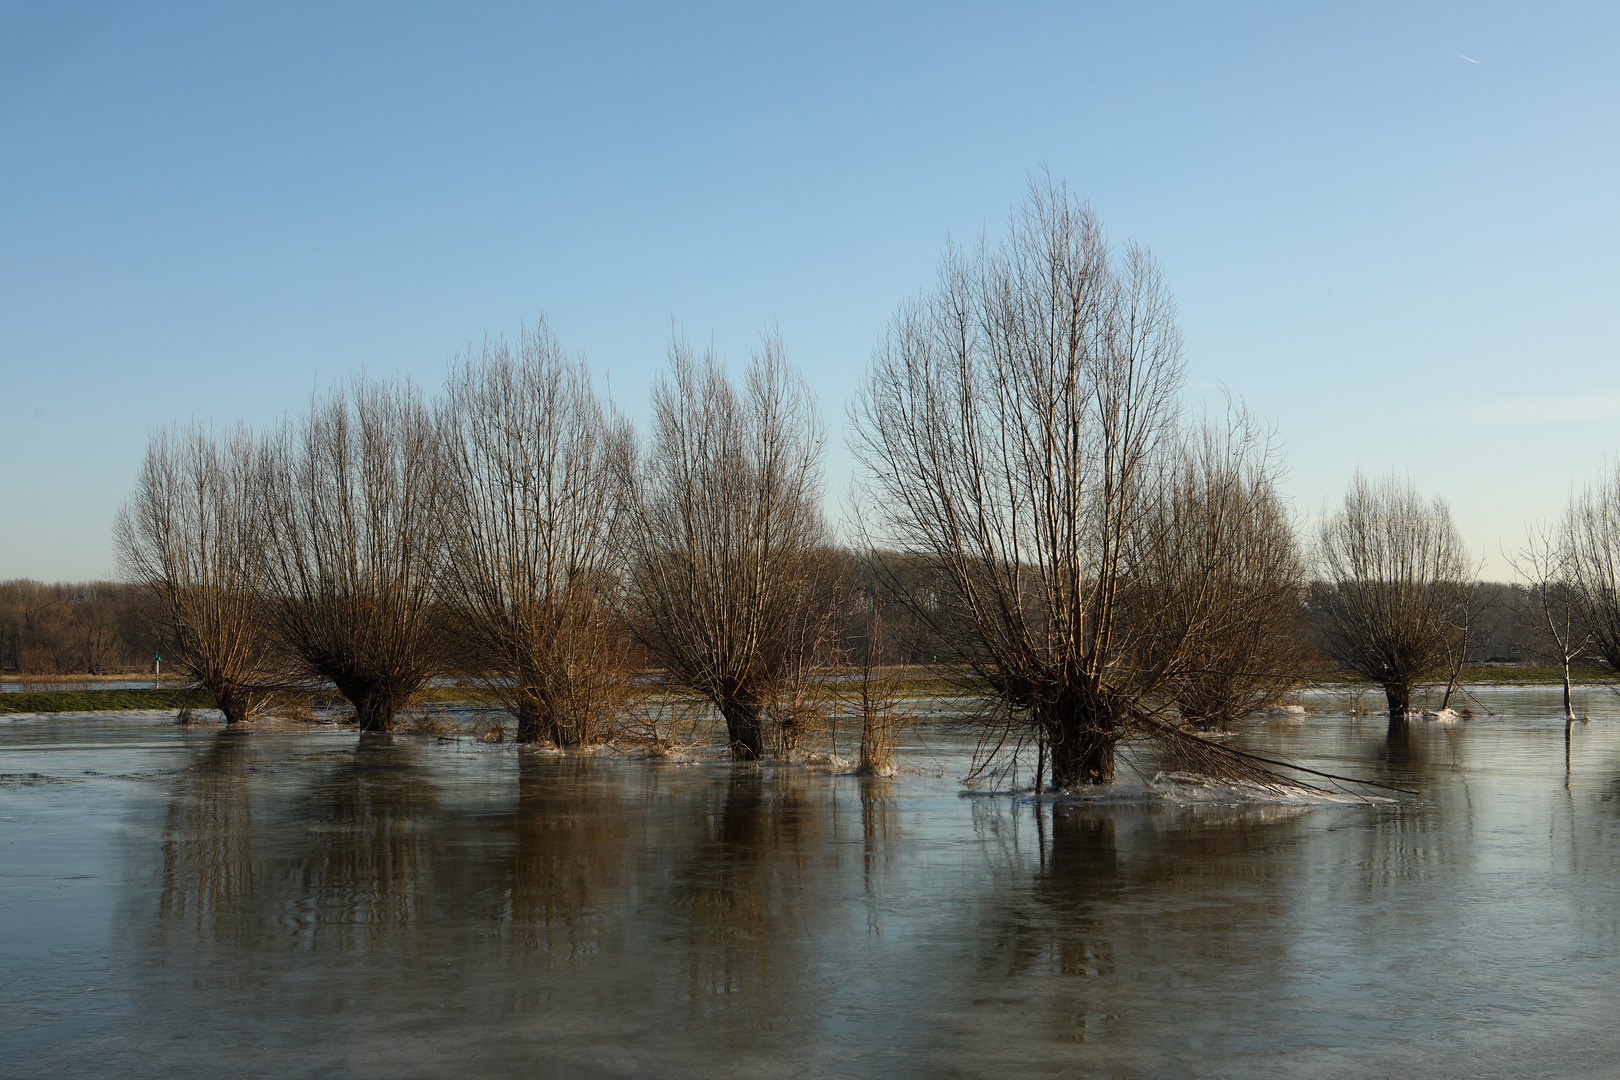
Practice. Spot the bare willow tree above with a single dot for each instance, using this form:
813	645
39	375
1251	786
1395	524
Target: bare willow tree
191	538
1013	430
729	564
1592	531
1222	603
1394	574
534	464
1555	620
356	532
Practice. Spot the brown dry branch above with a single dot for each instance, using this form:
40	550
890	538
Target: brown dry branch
355	538
727	550
875	699
1186	750
191	538
534	464
665	726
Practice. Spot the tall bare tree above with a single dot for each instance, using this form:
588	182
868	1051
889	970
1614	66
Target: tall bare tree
355	536
728	556
534	466
1592	532
1394	573
1014	432
191	537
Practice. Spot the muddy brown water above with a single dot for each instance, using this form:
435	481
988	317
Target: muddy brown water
190	902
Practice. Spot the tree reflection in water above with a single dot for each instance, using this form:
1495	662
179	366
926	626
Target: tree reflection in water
573	915
207	864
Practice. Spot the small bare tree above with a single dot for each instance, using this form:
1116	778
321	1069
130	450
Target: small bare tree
1555	620
191	538
1224	591
1394	572
1592	535
876	699
534	465
728	556
355	528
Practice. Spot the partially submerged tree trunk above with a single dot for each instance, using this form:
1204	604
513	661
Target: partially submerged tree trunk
191	538
1020	439
1394	571
745	729
535	465
1081	753
730	569
1399	696
356	531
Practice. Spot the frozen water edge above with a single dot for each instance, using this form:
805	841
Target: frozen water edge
1188	789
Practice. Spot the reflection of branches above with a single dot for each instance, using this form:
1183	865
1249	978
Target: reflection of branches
208	864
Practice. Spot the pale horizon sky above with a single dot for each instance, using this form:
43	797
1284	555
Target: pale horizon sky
1390	228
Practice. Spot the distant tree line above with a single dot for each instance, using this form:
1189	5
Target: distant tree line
63	628
1037	517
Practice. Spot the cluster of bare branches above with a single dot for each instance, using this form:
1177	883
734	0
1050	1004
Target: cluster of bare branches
875	701
1591	550
1557	626
1037	513
512	535
1020	432
191	537
534	466
1224	582
355	527
729	567
1397	587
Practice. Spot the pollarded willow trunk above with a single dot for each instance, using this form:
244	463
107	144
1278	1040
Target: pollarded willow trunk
231	700
1084	755
745	729
1080	739
540	719
531	725
375	705
1399	696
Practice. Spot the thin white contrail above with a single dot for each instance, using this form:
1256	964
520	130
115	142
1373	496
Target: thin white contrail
1470	59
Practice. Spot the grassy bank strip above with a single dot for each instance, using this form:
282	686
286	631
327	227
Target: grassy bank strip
63	701
74	701
1485	675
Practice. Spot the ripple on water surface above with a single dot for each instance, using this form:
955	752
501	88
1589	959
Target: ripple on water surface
307	902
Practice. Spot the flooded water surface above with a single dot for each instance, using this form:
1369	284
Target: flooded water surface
306	902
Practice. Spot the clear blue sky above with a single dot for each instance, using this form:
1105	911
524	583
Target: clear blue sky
1402	257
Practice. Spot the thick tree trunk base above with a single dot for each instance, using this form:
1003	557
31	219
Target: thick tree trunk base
375	714
233	705
745	731
532	725
1399	697
1081	757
